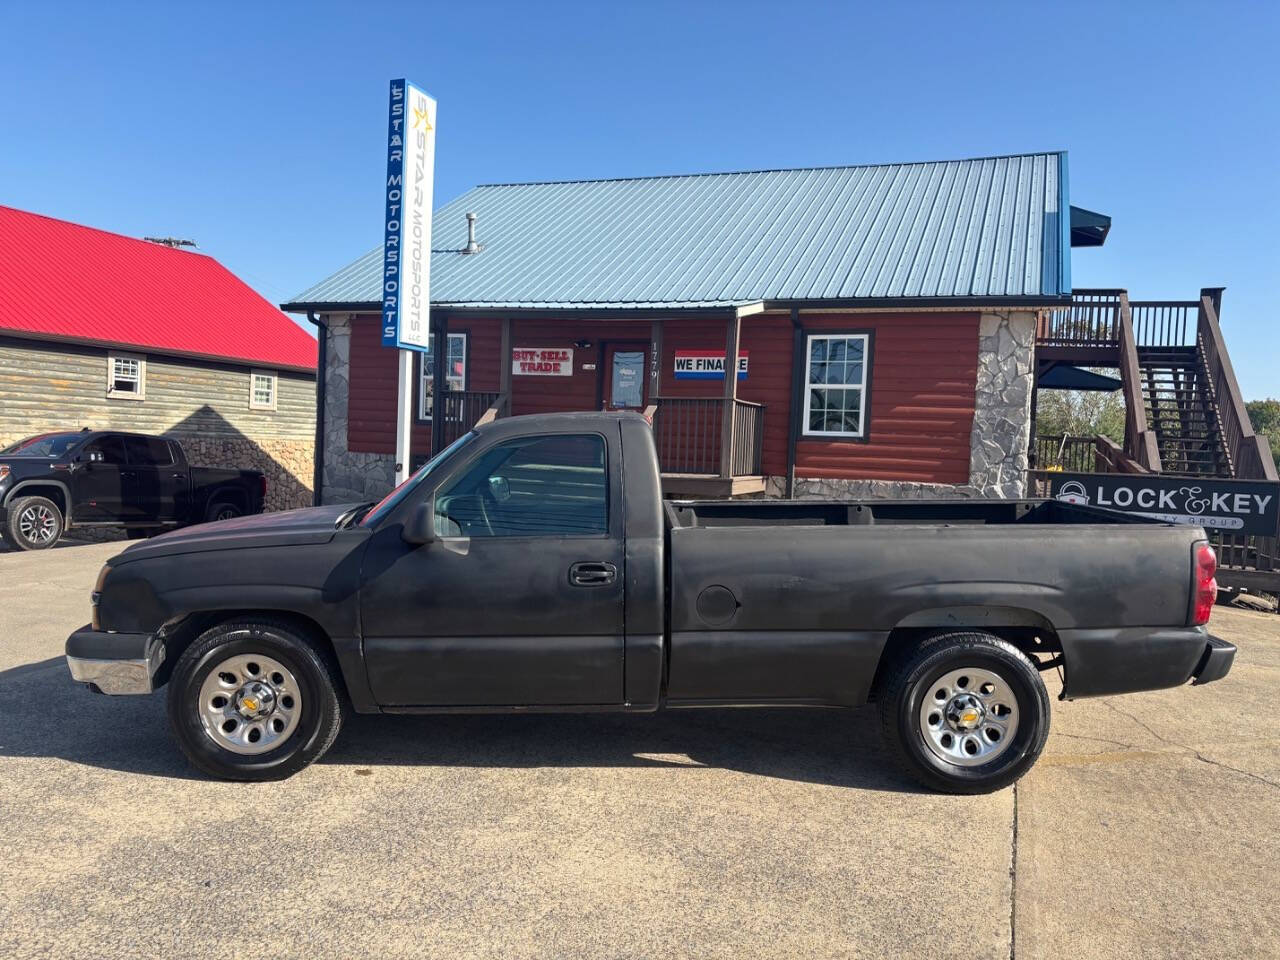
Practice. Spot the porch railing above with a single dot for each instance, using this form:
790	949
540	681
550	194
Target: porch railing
688	433
464	409
1249	454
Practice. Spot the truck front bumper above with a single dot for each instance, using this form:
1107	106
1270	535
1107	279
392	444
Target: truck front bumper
114	663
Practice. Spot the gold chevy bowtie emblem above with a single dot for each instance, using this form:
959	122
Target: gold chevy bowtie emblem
965	718
249	704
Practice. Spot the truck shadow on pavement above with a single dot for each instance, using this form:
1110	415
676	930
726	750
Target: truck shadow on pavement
130	734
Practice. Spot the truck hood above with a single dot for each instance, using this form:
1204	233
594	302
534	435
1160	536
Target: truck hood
290	527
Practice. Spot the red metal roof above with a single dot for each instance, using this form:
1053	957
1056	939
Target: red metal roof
67	282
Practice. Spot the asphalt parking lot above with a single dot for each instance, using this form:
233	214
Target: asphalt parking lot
1148	829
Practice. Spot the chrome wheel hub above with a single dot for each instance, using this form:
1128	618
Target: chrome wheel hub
969	716
37	524
250	704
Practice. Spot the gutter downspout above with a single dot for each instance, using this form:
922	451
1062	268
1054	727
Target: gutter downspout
797	395
317	479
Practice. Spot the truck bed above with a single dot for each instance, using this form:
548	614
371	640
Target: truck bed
794	600
840	513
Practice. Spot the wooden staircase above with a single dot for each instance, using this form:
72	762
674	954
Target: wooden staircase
1182	411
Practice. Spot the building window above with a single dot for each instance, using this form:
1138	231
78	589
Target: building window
455	364
835	385
262	390
126	376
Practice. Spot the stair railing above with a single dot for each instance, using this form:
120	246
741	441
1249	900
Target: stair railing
1250	454
1139	440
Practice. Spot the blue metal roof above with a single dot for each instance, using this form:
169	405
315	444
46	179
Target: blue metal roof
980	229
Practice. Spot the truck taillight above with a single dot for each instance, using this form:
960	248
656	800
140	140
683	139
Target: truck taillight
1206	587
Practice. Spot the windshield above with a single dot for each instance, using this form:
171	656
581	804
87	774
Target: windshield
394	498
44	445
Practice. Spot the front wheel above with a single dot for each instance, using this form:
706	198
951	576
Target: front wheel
254	700
965	712
33	523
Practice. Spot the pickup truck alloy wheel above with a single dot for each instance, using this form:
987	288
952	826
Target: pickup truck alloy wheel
250	704
255	699
35	523
964	712
970	718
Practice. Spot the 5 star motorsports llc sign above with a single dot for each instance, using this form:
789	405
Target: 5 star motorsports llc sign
1236	506
406	258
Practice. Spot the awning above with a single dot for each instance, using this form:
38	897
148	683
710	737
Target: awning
1088	229
1063	376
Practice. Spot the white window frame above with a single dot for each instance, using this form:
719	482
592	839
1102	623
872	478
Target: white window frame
115	394
427	375
273	379
861	387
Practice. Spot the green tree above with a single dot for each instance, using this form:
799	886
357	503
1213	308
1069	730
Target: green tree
1080	413
1265	417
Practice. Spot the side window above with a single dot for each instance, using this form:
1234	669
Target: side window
109	449
531	487
148	451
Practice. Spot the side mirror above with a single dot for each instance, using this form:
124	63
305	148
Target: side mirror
500	489
420	528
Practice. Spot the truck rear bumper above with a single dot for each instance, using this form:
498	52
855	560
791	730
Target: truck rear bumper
1216	661
114	663
1102	662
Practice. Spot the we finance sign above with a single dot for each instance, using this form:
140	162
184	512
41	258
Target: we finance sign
1240	506
705	365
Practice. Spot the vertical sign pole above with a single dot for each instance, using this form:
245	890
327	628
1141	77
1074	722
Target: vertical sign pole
406	258
404	414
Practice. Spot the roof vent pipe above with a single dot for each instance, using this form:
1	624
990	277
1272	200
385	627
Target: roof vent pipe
472	246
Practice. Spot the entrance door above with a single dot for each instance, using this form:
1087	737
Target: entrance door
626	376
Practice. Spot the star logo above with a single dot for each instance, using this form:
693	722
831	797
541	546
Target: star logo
422	116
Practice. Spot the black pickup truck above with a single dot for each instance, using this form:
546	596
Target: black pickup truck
56	482
534	566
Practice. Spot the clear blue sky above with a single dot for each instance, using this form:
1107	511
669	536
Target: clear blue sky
257	129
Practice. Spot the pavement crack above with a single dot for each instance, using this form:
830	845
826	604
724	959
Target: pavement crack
1190	750
1013	880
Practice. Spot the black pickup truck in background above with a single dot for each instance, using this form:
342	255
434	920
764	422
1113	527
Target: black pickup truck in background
534	566
56	482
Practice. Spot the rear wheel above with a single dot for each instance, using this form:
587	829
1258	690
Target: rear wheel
254	700
33	523
964	712
222	511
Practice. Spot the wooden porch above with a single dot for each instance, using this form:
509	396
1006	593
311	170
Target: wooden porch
708	447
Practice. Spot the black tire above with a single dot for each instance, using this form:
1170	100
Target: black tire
222	510
914	676
41	519
320	687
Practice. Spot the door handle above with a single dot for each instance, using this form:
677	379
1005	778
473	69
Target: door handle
177	476
592	573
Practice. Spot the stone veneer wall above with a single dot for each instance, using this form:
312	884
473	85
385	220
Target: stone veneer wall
1001	427
348	476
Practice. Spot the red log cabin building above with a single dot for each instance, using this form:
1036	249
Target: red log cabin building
883	321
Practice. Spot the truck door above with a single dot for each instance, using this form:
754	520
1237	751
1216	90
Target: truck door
151	479
96	481
520	601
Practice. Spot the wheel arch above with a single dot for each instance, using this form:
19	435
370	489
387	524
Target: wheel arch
1027	629
178	634
54	490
